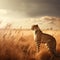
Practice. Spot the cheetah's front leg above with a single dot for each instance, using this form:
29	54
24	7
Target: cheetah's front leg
38	45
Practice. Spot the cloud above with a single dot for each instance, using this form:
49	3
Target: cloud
18	19
47	22
11	17
49	18
51	22
33	8
3	11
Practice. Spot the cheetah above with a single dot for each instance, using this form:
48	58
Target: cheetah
46	39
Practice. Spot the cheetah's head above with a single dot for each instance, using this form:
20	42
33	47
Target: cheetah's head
34	27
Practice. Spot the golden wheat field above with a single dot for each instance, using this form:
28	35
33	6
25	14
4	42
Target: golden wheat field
17	44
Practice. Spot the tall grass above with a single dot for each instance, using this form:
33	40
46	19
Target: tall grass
20	45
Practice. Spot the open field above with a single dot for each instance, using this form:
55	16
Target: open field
16	44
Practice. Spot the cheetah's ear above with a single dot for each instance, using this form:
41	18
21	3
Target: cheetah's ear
36	25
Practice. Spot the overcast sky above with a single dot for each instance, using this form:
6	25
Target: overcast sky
18	12
32	8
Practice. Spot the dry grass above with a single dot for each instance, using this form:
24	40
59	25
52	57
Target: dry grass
18	44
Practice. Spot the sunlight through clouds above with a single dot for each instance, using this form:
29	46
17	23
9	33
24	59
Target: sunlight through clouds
3	11
18	20
11	17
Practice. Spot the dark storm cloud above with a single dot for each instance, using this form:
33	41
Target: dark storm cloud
33	8
44	7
